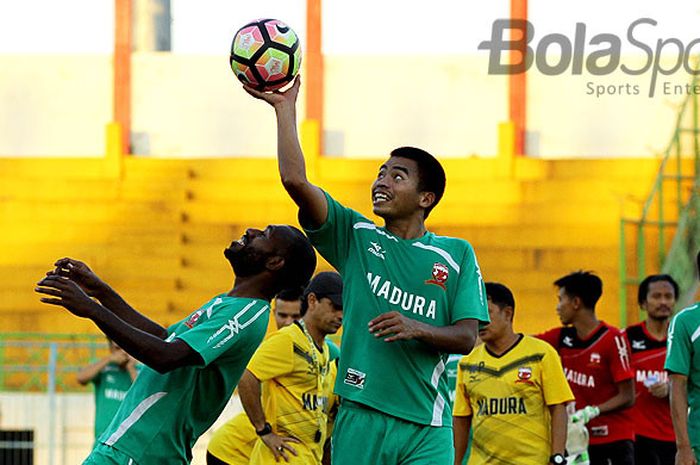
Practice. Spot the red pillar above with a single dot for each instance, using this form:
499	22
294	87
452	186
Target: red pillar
314	65
122	69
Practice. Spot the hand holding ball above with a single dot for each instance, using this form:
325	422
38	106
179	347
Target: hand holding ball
265	54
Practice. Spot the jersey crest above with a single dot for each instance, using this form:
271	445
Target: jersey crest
440	274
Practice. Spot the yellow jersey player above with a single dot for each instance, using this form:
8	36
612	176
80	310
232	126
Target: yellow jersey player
233	442
291	416
511	391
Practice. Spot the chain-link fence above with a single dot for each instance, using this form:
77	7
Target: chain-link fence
46	417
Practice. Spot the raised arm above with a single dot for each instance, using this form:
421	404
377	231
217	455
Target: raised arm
309	198
91	371
154	351
81	274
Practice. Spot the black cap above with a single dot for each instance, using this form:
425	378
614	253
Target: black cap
326	284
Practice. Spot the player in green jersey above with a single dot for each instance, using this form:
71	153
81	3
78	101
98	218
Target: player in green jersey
683	365
193	366
411	298
112	377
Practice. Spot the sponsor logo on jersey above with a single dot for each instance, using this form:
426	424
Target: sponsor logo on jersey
639	345
110	379
600	431
568	341
524	375
376	250
410	303
581	379
501	406
595	359
355	378
439	275
115	394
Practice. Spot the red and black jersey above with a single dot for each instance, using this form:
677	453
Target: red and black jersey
652	415
593	366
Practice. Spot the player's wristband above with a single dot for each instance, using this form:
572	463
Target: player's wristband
267	429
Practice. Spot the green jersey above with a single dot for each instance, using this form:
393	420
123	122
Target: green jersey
683	357
111	385
432	279
163	414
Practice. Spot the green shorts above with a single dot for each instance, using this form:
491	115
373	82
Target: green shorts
363	435
106	455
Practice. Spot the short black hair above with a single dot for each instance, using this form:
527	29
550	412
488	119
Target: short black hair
431	175
290	294
643	290
299	261
582	284
500	295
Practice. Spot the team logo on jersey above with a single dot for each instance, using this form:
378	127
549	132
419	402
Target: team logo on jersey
595	359
376	250
439	275
524	375
355	378
193	319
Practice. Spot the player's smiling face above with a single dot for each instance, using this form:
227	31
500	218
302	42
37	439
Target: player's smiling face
395	191
661	298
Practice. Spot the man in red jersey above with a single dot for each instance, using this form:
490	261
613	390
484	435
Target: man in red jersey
655	443
596	361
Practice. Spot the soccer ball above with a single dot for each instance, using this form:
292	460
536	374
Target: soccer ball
265	54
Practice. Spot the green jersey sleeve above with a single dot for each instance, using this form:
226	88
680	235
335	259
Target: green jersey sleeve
225	328
679	346
470	299
332	239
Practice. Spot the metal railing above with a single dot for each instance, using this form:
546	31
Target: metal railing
39	362
662	219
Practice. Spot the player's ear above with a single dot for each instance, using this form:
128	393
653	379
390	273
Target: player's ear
509	312
311	299
274	263
577	302
426	199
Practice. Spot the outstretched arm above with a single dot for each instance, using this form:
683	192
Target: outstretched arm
458	338
308	197
81	274
152	350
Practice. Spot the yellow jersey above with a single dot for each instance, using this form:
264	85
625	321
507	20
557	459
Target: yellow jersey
300	379
508	398
233	442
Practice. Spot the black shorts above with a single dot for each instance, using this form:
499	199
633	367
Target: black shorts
614	453
649	451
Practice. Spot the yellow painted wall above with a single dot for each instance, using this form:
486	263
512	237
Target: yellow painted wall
156	229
